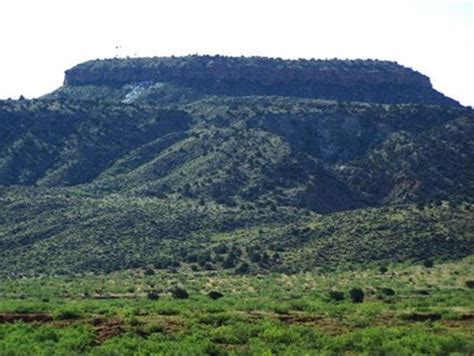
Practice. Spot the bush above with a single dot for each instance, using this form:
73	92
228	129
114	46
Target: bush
134	322
209	267
194	268
335	295
470	284
255	257
387	291
428	263
229	262
215	295
357	295
66	314
220	249
179	293
243	268
148	272
152	296
191	258
383	269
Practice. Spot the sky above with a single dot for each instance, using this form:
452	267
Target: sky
40	39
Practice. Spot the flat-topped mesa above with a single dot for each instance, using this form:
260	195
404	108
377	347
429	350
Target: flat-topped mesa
348	80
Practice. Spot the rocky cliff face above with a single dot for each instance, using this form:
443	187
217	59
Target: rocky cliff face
348	80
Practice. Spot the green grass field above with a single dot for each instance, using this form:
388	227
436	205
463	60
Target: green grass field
406	310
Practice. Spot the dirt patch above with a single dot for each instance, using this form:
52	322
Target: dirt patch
25	317
107	328
173	325
466	322
467	317
422	316
329	326
299	319
294	318
113	296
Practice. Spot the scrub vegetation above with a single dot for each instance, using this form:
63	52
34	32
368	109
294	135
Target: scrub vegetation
219	205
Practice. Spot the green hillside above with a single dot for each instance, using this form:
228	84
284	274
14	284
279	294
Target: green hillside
216	172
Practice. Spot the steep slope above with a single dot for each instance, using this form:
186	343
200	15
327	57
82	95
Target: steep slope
64	143
437	164
231	166
279	151
174	79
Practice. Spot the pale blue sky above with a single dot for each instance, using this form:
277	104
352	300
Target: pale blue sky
42	38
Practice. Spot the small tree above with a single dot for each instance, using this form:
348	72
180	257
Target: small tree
470	284
357	295
215	295
220	249
255	256
179	293
428	263
148	272
229	262
152	296
335	295
388	291
243	268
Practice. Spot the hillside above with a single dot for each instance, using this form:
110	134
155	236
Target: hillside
240	164
66	231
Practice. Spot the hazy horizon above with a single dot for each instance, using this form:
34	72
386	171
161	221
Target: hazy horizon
48	37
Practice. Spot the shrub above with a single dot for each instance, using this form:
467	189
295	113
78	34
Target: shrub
192	258
255	257
134	322
167	311
336	295
220	249
194	268
209	267
387	291
229	262
215	295
243	268
428	263
179	293
470	284
66	314
154	328
383	269
148	272
152	296
357	295
204	258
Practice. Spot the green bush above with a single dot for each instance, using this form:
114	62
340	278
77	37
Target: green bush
428	263
336	295
470	284
387	291
215	295
67	314
152	296
179	293
357	295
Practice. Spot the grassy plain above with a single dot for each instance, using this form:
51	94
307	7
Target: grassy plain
409	309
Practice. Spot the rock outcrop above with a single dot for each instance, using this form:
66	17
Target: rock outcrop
347	80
